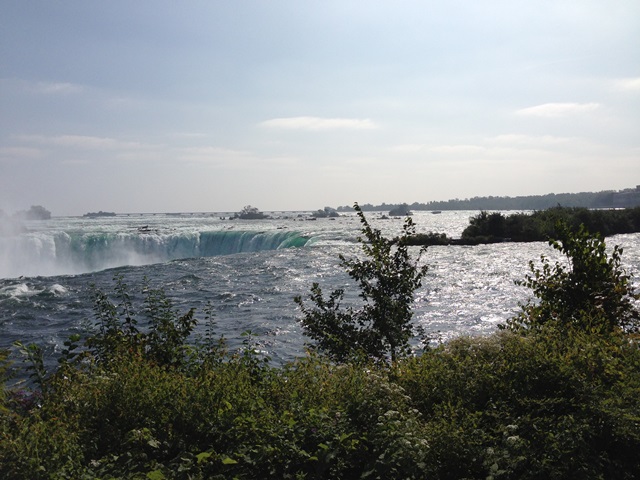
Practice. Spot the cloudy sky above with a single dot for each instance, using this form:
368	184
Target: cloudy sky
164	106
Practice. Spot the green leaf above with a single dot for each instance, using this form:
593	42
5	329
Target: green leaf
154	443
204	456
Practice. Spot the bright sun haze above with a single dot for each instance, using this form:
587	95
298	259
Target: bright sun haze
158	106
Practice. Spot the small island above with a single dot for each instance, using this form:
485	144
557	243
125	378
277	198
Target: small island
250	213
99	214
538	226
327	212
400	211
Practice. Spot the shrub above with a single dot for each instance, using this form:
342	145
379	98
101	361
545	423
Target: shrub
525	407
591	291
387	279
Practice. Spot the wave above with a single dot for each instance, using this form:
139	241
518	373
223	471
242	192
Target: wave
61	253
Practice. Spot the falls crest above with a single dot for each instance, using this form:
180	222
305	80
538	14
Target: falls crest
73	252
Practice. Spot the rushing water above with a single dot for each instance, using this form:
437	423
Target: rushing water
249	271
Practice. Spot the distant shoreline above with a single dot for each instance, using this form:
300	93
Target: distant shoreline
626	198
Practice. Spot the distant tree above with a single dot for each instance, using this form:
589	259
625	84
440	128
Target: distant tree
485	224
590	291
629	197
387	278
326	212
400	211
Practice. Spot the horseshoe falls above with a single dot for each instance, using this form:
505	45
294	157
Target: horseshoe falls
73	252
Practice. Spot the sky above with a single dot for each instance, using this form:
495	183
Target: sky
190	106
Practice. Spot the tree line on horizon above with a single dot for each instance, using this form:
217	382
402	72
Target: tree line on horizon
605	199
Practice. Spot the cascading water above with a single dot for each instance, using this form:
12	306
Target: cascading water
64	252
247	272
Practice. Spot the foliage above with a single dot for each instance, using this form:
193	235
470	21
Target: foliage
400	211
541	225
590	291
34	357
4	377
538	226
524	407
326	212
129	415
387	278
429	239
164	342
141	401
505	406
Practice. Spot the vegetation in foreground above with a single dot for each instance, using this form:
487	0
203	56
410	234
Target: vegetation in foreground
387	278
554	394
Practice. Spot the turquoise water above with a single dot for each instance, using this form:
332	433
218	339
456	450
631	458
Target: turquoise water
249	271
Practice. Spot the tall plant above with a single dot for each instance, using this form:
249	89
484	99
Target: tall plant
387	278
590	291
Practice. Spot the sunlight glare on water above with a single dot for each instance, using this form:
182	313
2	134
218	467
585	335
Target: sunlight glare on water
467	290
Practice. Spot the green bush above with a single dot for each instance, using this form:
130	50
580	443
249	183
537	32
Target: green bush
553	396
542	406
589	291
542	225
386	278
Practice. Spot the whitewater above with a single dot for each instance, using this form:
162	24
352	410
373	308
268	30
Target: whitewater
249	271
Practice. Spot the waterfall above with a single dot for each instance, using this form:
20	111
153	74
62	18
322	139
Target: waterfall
45	253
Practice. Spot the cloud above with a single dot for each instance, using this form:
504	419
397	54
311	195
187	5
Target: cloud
520	140
80	141
19	152
22	86
319	124
190	135
57	88
459	149
210	154
408	148
632	84
463	149
558	109
129	151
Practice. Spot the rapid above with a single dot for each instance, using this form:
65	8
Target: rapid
249	271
